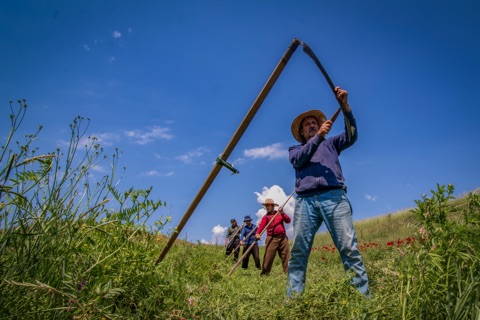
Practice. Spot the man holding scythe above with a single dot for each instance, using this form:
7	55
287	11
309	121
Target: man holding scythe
247	239
277	241
321	195
232	241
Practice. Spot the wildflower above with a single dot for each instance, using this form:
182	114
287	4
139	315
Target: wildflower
191	301
81	285
176	314
422	231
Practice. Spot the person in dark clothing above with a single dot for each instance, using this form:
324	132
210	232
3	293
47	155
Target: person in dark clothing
247	239
232	241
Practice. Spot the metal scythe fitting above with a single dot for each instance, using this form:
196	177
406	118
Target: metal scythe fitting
227	165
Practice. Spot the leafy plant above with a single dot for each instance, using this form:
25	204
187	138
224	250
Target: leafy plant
442	277
62	235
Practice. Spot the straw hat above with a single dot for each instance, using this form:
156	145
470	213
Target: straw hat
317	114
270	201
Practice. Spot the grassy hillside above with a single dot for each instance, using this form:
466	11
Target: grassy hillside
381	229
72	248
107	271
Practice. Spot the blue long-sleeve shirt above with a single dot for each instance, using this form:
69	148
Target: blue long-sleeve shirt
316	162
246	230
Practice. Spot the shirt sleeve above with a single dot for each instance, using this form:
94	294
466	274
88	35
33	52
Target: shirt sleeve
286	218
350	135
262	224
300	155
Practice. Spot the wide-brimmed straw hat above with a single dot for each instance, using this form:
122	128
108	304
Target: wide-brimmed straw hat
270	201
317	114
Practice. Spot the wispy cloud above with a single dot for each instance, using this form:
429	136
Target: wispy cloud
190	156
116	34
105	139
145	137
86	47
271	152
98	169
369	197
155	173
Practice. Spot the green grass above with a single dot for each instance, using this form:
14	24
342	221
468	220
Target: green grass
72	248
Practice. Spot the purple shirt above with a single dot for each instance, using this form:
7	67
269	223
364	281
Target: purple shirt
316	163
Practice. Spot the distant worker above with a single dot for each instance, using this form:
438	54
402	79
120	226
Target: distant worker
247	239
321	195
277	240
232	241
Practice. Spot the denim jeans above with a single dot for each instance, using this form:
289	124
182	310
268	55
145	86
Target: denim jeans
333	208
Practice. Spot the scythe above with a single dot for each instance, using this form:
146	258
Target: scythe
222	159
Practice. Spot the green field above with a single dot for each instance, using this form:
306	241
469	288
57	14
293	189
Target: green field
71	248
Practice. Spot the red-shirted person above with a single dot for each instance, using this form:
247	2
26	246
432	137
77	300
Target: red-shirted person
277	240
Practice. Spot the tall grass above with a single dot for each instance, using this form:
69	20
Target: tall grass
73	246
69	239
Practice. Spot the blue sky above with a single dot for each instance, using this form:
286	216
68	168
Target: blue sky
169	82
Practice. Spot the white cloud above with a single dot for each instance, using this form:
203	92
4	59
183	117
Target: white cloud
155	173
272	152
103	139
218	235
117	34
112	59
191	155
98	168
108	138
238	161
370	197
86	47
144	137
278	195
130	30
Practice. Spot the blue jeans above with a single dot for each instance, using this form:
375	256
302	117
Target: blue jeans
333	208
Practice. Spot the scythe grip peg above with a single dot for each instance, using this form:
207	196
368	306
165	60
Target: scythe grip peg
227	165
